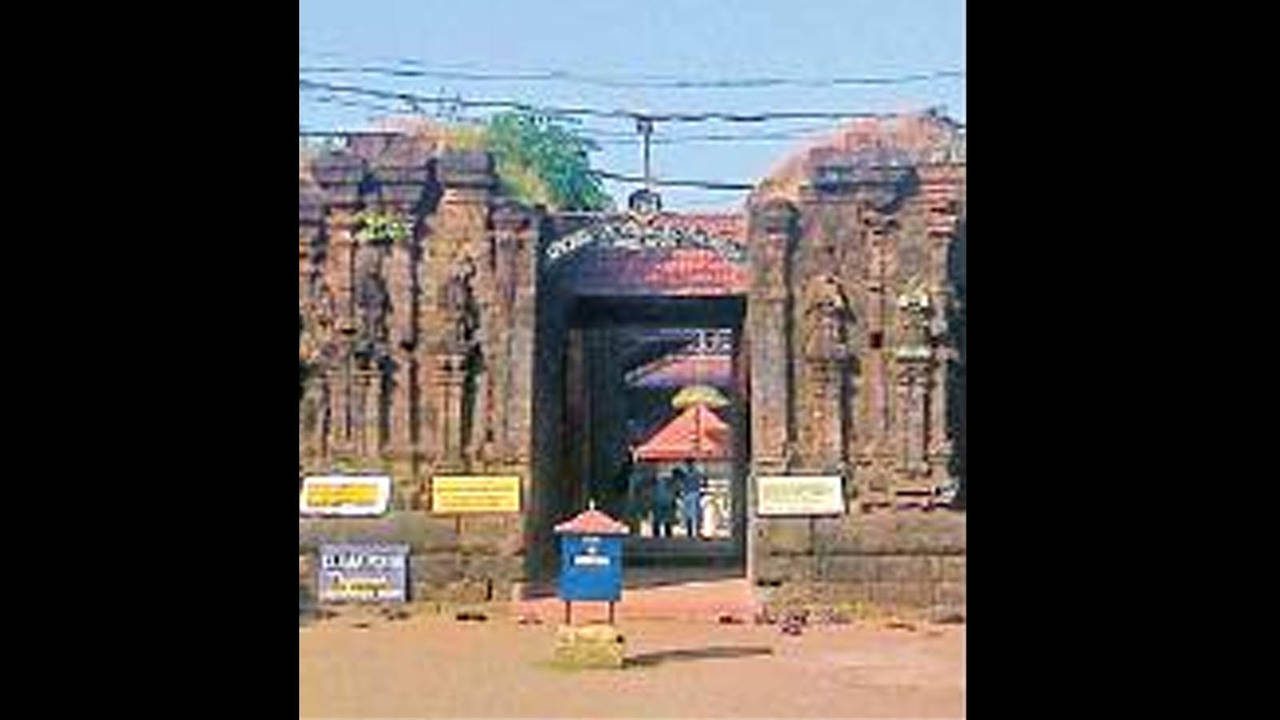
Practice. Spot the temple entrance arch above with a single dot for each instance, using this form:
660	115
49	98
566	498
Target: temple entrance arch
633	308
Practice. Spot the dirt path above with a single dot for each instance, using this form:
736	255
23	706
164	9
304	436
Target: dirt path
435	666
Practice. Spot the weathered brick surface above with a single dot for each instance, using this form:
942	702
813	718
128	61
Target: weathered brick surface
936	532
422	532
845	592
849	568
950	593
952	568
307	579
782	568
492	567
902	594
933	533
904	568
435	568
784	536
903	580
491	534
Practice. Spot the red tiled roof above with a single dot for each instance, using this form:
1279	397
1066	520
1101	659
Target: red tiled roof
679	271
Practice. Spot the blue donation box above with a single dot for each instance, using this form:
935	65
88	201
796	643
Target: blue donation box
591	557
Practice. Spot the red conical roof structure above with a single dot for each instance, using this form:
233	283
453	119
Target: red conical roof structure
696	433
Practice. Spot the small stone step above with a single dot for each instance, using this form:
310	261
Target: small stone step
589	646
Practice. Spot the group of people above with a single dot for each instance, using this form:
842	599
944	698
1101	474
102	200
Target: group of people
654	496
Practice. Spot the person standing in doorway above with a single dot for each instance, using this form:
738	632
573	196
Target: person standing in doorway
663	505
677	492
692	505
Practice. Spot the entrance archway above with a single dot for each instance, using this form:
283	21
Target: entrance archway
627	304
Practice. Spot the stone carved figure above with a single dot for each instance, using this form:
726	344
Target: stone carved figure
916	312
460	303
827	320
317	316
374	303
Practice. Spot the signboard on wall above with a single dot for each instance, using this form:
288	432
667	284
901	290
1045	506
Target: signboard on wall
363	573
475	493
347	495
800	495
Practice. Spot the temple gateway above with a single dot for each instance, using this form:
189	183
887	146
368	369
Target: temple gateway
487	339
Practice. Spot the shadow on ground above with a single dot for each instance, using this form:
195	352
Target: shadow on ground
707	653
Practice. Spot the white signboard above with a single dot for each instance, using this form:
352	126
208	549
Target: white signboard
363	572
347	495
799	495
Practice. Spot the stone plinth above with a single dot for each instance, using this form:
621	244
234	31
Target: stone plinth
589	646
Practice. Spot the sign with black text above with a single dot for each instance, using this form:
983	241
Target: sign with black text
800	495
346	495
363	573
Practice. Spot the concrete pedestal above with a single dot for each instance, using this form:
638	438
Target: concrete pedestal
589	646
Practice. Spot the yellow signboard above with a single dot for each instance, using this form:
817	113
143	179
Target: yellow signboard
475	494
335	495
345	495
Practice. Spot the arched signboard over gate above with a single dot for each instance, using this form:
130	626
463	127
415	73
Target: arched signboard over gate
652	254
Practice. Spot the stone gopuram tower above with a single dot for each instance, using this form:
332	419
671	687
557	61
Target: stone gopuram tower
851	283
854	266
415	346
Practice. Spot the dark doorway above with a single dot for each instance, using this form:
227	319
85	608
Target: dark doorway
650	382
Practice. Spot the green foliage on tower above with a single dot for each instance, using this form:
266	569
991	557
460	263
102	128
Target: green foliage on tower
543	161
381	227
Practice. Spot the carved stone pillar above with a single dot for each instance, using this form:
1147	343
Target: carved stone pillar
772	238
449	379
823	425
881	268
914	386
342	384
916	364
338	277
403	341
365	416
308	420
512	326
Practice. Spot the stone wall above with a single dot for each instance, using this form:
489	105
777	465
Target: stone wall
895	560
467	559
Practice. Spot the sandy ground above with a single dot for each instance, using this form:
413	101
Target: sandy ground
431	665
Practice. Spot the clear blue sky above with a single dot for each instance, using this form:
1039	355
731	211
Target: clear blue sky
714	39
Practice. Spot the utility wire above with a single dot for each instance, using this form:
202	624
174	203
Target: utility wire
595	112
639	81
630	139
704	184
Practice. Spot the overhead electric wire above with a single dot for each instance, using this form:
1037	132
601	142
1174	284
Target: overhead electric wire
458	102
703	184
638	81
